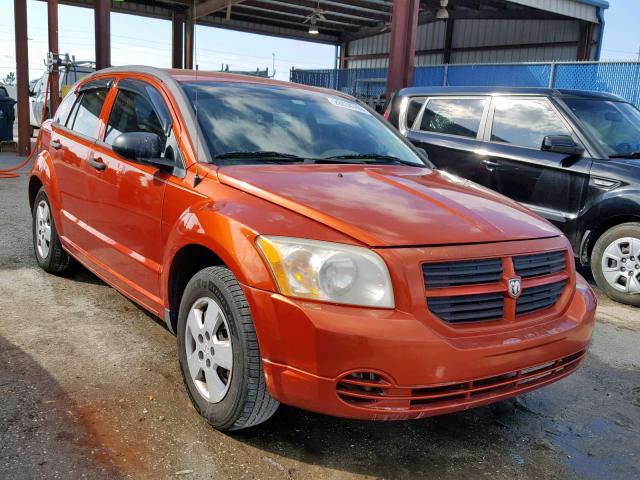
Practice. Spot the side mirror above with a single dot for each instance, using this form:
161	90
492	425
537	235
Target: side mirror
561	144
142	147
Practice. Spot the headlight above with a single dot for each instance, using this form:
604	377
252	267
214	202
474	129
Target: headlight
329	272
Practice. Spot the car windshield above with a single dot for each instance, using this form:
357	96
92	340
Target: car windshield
274	123
615	125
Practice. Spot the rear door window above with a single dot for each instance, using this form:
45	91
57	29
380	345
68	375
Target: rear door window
85	117
454	116
524	122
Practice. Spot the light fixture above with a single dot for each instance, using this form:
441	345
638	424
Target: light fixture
313	28
443	13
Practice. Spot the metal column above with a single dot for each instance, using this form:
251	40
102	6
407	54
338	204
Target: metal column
188	44
103	33
402	48
52	10
22	76
177	33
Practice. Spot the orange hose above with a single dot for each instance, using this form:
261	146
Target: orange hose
9	172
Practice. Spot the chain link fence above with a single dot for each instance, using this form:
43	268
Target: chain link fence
620	78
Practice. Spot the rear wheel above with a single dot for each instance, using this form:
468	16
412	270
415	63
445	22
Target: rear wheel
219	355
46	244
615	262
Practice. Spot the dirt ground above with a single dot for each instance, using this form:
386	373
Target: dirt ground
90	388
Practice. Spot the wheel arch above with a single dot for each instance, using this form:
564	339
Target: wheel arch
187	261
35	184
591	236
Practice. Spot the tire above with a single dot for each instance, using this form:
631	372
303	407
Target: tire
215	325
615	263
46	244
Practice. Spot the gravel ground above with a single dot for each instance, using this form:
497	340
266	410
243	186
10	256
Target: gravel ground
90	388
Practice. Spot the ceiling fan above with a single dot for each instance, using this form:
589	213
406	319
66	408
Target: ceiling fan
312	19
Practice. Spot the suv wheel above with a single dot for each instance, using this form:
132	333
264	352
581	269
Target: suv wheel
49	252
219	354
615	262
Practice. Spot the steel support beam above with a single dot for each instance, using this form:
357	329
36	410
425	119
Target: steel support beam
210	6
585	44
402	48
448	41
22	76
177	45
189	33
103	33
52	15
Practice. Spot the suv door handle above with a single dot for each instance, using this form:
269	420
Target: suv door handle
56	144
96	163
491	165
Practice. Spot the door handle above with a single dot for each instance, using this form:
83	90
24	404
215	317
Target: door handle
56	144
491	165
96	163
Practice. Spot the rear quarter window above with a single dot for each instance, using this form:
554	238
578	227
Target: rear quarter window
413	110
62	113
453	116
86	113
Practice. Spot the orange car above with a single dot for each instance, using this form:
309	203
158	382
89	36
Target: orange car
301	250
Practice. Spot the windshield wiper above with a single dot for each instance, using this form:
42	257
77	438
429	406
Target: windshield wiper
632	155
374	158
262	155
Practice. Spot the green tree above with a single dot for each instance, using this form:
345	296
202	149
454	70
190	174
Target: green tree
10	79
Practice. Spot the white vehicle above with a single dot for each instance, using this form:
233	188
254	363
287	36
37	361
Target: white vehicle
69	75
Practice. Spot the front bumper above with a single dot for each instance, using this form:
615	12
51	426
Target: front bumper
310	349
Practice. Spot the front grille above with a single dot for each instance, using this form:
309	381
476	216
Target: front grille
373	391
479	287
537	265
474	272
489	306
538	298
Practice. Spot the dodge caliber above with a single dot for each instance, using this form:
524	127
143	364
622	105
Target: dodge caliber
301	250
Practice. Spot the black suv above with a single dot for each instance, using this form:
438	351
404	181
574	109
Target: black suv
571	156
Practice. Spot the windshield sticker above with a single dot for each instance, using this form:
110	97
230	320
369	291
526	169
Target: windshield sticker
346	104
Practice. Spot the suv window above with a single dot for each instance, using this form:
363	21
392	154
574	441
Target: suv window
85	115
453	116
413	109
132	112
525	122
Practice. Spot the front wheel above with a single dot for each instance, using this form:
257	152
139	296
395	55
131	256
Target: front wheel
615	263
219	355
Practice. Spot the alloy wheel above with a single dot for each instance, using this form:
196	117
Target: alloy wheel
621	265
43	229
209	349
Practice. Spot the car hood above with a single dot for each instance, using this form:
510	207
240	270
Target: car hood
384	206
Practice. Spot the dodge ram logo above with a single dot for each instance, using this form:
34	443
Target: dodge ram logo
514	287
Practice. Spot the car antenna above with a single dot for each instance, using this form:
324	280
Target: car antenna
197	179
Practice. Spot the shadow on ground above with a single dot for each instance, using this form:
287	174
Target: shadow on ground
40	423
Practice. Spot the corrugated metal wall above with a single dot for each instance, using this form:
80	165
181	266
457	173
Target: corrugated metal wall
479	33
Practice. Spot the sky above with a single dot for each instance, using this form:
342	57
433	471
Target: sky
139	40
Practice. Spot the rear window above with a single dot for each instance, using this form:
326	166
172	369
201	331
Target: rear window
413	109
453	116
